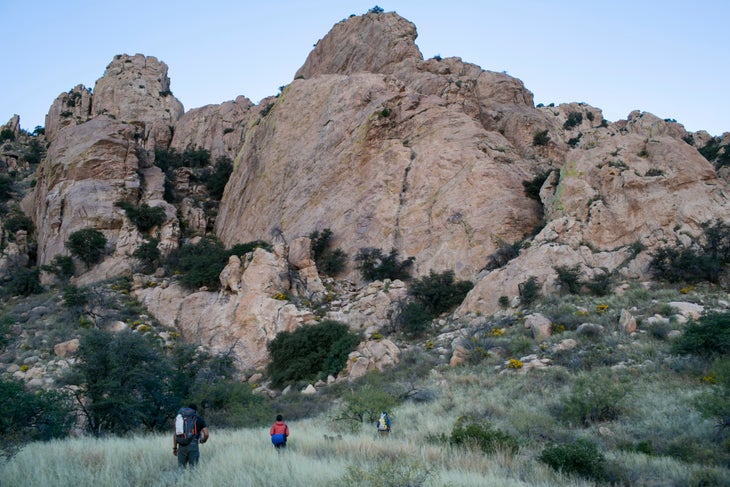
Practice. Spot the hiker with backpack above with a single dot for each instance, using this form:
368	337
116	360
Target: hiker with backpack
190	429
384	424
279	433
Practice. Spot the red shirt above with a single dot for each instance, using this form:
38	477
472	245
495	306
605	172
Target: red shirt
278	428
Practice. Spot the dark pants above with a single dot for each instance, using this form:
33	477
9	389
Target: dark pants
188	455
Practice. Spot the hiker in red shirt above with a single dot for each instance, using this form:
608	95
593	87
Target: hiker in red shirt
279	432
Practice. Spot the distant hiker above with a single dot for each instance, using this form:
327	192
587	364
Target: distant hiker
279	432
190	429
384	424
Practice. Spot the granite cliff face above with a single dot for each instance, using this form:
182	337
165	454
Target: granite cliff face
386	149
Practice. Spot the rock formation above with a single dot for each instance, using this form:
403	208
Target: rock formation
387	150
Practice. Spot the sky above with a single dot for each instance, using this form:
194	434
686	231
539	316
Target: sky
666	57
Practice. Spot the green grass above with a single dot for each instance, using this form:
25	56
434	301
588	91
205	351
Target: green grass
653	436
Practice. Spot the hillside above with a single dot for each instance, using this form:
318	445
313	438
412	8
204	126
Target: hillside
418	226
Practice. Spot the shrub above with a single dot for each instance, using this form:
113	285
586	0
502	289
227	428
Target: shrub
364	405
88	245
470	432
74	296
439	292
121	374
387	472
708	336
6	188
310	352
600	285
218	180
505	253
62	266
32	416
145	218
374	265
245	248
414	319
684	265
710	150
541	138
593	398
580	457
18	221
148	255
24	282
529	291
704	262
200	264
329	261
569	278
6	134
533	186
574	119
716	403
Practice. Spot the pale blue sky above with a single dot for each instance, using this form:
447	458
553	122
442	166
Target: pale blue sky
667	57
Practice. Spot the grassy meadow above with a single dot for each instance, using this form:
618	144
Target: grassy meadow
632	397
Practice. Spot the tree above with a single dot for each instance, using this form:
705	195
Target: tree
122	382
88	245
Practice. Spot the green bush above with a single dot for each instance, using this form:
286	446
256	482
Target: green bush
716	402
62	266
217	181
201	263
708	336
129	382
390	472
6	134
705	262
569	278
310	352
574	119
594	398
148	255
329	261
600	284
474	433
541	138
414	319
529	291
374	265
88	245
6	188
18	221
74	296
364	404
24	282
439	292
533	186
146	217
581	457
32	416
505	253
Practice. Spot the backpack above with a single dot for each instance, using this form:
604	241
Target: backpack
384	422
278	439
185	426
